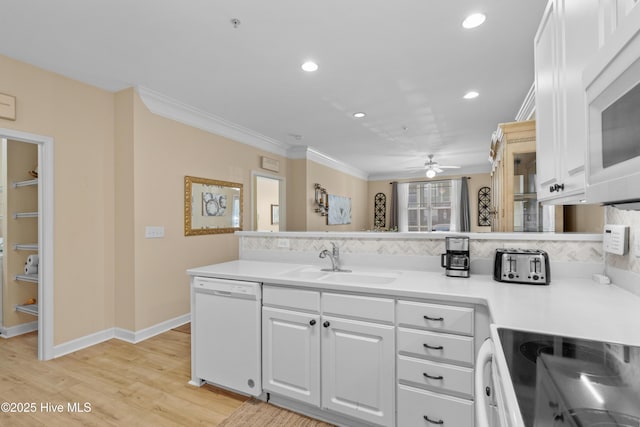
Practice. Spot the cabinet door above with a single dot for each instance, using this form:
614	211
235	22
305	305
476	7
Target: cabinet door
546	77
580	37
358	369
291	354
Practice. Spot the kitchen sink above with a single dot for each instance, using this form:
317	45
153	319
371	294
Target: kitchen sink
306	273
359	279
346	277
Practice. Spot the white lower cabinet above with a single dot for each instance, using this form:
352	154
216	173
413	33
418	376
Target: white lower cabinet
422	408
358	369
338	354
291	354
435	366
352	360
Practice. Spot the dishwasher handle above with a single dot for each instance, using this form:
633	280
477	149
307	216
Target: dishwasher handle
485	355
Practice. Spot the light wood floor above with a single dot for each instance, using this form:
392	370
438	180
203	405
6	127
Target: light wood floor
126	385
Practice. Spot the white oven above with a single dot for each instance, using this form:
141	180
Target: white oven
612	83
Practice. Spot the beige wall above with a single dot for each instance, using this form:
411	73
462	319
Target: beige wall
267	194
80	118
297	209
124	287
338	184
164	151
584	218
475	183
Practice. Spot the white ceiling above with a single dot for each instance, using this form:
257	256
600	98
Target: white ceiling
406	63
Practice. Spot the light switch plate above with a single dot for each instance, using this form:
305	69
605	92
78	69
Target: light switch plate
156	232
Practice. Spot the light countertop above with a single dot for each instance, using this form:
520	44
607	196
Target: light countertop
571	307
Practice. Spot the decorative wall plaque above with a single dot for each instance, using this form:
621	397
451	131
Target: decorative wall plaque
484	207
380	211
7	107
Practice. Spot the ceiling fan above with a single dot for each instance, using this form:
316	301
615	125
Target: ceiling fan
432	168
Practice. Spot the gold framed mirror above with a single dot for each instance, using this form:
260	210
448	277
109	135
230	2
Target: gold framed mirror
211	206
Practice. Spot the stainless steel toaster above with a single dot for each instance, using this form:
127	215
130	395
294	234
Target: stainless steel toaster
530	266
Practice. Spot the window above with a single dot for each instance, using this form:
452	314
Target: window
429	206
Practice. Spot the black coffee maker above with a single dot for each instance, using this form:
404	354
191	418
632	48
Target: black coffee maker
456	260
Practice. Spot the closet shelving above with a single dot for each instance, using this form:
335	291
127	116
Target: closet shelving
33	278
27	183
31	309
17	215
25	247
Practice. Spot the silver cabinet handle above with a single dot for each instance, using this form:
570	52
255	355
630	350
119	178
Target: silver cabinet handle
433	347
433	377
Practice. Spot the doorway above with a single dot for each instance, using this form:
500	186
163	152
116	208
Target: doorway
36	245
268	213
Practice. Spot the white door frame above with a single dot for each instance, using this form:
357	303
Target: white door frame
282	195
45	236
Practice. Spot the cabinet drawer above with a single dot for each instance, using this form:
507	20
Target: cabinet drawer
456	379
437	317
414	405
434	345
359	307
296	299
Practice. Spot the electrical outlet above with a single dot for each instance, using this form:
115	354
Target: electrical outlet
154	232
283	243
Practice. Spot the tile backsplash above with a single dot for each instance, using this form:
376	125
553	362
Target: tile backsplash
572	255
581	251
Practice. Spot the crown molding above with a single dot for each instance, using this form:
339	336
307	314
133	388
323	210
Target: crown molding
173	109
309	153
528	107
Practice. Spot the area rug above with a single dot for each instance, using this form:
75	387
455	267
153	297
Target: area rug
254	412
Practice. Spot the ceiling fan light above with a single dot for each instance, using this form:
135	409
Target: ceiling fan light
430	173
309	66
474	20
471	94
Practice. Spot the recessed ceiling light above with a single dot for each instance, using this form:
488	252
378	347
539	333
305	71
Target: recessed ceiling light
359	115
474	20
471	94
309	66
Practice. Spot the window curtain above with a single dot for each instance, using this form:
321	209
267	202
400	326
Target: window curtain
393	210
403	202
399	201
456	192
465	213
460	214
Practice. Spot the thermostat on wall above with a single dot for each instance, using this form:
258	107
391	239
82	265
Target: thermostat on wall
616	239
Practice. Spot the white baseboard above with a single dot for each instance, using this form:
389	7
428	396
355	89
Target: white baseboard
82	342
14	331
141	335
119	333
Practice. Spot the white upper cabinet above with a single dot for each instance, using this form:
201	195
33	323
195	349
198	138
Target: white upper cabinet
567	38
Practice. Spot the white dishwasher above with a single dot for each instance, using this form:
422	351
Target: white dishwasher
226	328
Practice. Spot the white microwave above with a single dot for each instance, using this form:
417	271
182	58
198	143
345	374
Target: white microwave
612	84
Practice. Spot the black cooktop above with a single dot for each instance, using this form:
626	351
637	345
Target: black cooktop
573	382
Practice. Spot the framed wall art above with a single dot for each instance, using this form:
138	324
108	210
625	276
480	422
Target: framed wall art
211	206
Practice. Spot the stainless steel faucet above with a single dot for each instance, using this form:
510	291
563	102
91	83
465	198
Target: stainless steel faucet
334	256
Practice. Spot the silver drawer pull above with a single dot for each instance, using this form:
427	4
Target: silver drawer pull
433	347
433	421
433	377
435	319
